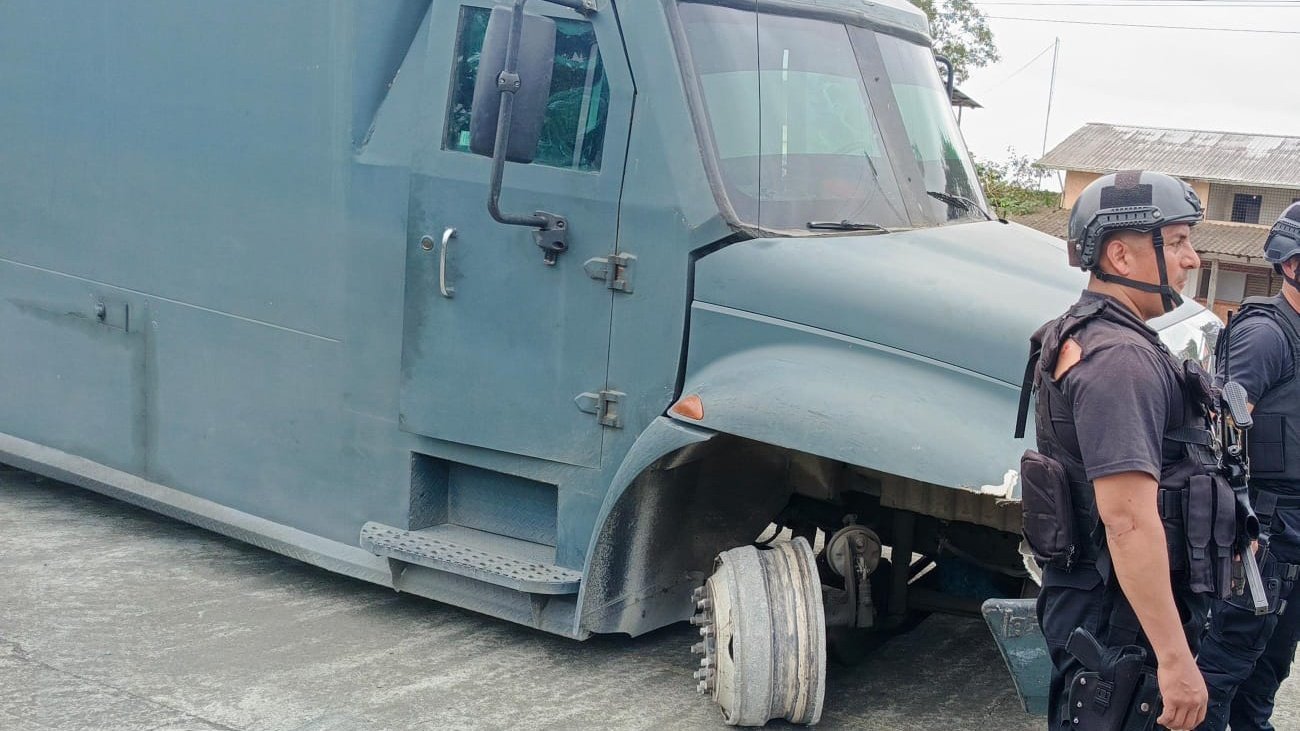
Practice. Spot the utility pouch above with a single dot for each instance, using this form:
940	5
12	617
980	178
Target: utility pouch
1198	524
1048	510
1225	535
1101	696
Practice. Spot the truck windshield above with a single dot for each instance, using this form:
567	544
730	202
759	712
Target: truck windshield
810	121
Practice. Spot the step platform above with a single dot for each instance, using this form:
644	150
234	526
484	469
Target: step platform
501	560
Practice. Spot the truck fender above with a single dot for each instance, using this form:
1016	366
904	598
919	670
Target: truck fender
867	405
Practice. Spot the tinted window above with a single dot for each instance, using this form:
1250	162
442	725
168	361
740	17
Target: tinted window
932	132
573	133
812	121
790	119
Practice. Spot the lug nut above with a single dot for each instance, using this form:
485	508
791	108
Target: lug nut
698	594
698	648
703	687
706	662
706	631
704	605
697	619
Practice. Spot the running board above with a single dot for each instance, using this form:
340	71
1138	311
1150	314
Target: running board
509	562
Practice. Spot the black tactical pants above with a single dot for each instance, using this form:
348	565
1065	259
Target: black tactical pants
1246	657
1080	599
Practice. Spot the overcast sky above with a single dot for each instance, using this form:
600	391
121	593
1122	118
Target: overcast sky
1197	79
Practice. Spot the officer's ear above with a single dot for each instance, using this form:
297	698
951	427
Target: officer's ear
1117	253
1290	266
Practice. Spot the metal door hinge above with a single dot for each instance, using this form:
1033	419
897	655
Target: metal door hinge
614	270
604	405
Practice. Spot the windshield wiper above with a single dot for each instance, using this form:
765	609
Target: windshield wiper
959	201
846	225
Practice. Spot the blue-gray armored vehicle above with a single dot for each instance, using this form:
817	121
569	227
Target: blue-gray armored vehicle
596	317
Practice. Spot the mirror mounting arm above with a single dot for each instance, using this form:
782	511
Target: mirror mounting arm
552	232
950	77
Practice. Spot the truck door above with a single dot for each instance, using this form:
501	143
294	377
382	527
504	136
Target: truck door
498	346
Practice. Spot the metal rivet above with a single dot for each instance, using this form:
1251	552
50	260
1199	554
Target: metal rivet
1083	681
426	243
1145	707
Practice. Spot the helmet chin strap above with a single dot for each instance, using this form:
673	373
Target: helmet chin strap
1169	299
1293	281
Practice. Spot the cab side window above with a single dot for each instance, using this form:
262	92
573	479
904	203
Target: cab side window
573	133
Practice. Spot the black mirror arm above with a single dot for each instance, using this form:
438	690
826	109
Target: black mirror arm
949	79
552	230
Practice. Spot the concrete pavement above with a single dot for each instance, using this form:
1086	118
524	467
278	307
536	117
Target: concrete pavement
115	618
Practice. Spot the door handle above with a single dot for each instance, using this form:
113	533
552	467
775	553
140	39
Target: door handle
447	236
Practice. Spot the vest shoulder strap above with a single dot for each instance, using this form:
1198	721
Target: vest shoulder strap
1044	348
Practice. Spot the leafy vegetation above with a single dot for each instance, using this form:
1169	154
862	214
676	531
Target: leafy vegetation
1012	187
961	33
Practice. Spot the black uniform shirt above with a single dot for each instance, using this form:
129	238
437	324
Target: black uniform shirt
1259	356
1123	397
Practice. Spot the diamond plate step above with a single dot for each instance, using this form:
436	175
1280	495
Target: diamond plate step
438	551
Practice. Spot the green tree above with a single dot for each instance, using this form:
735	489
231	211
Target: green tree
1012	186
961	32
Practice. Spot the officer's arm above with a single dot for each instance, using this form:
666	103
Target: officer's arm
1126	503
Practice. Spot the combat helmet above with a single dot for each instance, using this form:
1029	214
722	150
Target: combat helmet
1133	200
1283	241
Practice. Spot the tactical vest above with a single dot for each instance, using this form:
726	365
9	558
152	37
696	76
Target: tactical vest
1274	443
1196	507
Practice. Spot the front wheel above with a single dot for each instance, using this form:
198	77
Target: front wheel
763	635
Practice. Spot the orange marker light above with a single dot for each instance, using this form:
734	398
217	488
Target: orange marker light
690	407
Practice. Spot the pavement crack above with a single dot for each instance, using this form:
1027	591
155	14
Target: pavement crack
14	649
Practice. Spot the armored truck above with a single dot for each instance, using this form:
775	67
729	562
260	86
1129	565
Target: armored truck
591	315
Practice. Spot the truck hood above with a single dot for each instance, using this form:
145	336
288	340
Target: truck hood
969	295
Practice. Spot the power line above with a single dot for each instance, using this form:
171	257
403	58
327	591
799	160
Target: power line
1027	64
1148	26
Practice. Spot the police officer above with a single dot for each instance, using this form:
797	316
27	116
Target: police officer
1121	432
1246	656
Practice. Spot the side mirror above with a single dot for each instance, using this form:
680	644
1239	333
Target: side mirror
532	87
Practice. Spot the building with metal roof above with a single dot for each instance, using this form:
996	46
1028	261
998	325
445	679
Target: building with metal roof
1245	180
1216	157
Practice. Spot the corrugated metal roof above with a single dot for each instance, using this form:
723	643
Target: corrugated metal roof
1267	160
962	99
1241	241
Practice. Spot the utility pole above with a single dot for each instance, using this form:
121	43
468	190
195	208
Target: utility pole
1051	92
